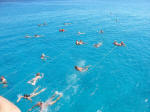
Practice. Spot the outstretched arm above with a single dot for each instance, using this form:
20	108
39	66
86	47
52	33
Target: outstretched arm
36	89
35	94
29	99
19	98
57	99
32	107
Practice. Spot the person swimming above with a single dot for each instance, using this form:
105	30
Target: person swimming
37	36
98	44
37	77
28	36
49	102
3	81
119	44
67	23
44	24
101	31
61	30
80	33
79	42
43	56
33	94
81	69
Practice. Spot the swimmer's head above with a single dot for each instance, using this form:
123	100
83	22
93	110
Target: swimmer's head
75	67
26	96
38	74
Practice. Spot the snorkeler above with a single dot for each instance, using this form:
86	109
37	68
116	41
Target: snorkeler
37	77
3	81
98	45
79	42
80	33
81	69
49	102
43	56
33	94
119	44
61	30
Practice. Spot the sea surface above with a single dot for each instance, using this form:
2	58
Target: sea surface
118	79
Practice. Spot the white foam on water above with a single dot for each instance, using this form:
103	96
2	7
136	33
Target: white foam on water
98	111
72	79
75	88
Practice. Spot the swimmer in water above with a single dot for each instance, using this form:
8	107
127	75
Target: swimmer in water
119	44
37	77
3	81
98	45
101	31
61	30
28	36
79	42
33	94
44	24
37	36
49	102
79	33
44	57
81	69
67	23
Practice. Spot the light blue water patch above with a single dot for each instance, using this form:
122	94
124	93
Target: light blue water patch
118	78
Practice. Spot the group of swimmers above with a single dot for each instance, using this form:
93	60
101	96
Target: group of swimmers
38	76
43	105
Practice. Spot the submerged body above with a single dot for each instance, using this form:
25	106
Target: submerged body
33	94
44	105
119	44
36	78
81	69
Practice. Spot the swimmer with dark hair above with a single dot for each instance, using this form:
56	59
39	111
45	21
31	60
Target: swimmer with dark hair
3	81
98	44
119	44
79	42
81	69
37	77
37	36
33	94
43	105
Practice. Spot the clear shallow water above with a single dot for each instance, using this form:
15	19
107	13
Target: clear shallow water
118	80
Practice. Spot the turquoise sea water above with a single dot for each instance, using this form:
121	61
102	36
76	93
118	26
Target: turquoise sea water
117	81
